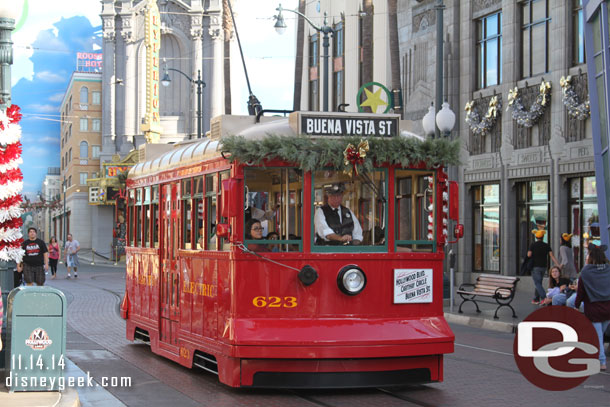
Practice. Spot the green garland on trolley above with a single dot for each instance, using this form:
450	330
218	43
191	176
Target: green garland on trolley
316	153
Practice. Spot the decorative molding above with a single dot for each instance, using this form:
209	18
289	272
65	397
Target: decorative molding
481	176
483	163
215	33
109	36
580	152
423	20
577	167
480	5
540	170
196	29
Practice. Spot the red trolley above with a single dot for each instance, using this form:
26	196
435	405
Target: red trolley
285	307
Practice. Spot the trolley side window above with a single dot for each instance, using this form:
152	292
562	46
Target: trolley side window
415	211
211	195
138	218
131	218
154	216
198	209
185	191
224	244
273	208
349	212
147	218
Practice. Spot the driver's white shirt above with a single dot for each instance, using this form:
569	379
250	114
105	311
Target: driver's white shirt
323	230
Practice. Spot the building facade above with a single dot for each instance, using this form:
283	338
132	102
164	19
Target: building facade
51	198
192	41
358	52
527	148
81	142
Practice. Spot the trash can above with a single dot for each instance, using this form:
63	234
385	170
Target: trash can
36	339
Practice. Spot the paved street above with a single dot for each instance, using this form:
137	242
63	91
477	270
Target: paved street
481	372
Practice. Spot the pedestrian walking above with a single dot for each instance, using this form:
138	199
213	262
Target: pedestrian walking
566	257
594	291
71	252
539	252
54	253
35	262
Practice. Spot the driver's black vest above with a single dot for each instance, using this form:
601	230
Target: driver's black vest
343	226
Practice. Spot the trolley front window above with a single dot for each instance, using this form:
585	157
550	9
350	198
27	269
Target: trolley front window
349	213
274	198
415	211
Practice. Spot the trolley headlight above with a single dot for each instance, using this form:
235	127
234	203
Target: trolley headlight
351	280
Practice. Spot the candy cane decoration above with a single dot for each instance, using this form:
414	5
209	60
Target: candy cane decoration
11	185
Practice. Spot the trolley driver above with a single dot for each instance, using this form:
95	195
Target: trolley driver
334	223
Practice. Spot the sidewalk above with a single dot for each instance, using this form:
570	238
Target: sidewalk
86	258
485	319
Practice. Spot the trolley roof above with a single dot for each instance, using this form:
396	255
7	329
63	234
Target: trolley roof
195	151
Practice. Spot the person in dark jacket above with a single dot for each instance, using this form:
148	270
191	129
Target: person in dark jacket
539	252
334	223
594	291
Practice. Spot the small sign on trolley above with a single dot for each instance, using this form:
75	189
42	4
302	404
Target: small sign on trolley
412	286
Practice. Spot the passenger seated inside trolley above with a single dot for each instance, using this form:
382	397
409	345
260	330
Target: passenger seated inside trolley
254	231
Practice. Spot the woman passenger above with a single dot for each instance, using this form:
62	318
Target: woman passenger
254	231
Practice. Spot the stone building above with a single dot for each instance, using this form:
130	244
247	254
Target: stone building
534	171
80	134
192	41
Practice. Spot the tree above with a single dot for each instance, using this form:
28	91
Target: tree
298	67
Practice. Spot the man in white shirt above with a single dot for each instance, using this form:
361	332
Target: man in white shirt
71	249
334	223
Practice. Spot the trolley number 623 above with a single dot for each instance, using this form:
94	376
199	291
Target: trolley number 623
274	302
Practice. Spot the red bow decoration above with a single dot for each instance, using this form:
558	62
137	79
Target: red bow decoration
355	156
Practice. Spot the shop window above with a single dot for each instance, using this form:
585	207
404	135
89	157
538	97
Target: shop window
584	217
486	228
533	213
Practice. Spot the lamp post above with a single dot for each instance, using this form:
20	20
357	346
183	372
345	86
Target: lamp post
280	27
64	217
440	8
9	10
200	84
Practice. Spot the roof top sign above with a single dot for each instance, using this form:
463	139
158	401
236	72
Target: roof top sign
347	124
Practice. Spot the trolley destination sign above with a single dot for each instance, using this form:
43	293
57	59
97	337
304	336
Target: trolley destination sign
348	125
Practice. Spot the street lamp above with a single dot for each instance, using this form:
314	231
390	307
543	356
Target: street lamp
64	217
9	10
200	84
280	27
428	122
445	119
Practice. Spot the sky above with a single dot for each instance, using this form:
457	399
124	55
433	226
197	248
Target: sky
50	33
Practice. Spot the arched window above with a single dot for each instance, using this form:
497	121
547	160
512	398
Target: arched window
84	149
84	95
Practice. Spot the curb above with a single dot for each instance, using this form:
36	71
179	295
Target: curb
69	398
481	323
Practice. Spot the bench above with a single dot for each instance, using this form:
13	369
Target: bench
500	288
